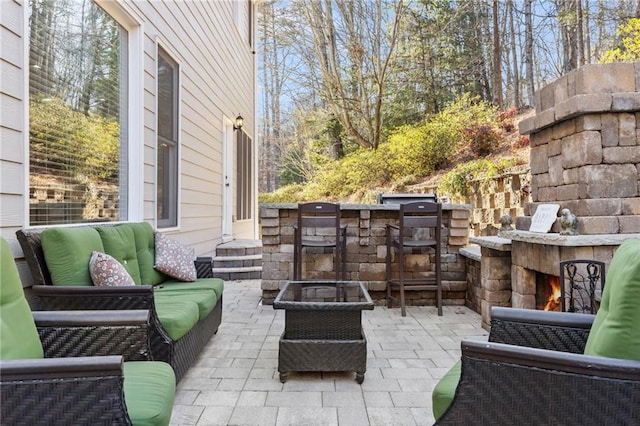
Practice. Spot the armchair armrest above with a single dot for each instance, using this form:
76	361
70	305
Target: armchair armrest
94	333
94	298
558	331
505	384
63	391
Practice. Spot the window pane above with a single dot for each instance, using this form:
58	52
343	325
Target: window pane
77	114
167	164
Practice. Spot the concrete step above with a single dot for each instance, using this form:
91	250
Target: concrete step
238	260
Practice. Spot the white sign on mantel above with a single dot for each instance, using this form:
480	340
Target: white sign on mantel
544	217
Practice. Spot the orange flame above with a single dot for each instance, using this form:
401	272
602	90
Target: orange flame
554	298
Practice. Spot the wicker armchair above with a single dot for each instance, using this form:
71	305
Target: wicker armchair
553	367
68	367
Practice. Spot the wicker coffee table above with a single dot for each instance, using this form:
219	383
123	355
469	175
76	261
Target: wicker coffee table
323	327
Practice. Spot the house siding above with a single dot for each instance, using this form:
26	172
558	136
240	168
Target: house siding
217	71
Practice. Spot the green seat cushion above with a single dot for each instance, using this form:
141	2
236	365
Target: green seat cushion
615	332
176	316
119	242
215	284
149	391
18	335
445	390
67	252
146	252
205	299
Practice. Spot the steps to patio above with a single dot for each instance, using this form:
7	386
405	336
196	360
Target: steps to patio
238	260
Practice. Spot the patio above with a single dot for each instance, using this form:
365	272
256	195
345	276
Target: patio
235	380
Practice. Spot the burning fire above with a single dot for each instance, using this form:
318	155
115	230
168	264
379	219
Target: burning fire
554	297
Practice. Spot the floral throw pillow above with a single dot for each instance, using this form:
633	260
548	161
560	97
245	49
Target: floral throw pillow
107	271
174	259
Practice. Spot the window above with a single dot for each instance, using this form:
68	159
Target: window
167	166
77	114
244	168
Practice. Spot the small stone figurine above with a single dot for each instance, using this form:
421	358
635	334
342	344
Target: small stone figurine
505	220
568	223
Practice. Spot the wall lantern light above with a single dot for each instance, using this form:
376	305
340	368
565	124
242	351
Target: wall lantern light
239	123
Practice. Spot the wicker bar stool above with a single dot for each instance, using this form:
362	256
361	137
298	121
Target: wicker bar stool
411	233
319	226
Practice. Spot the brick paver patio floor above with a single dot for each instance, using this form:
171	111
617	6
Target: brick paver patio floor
235	381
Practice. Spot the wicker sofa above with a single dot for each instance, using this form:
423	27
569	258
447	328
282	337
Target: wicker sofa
80	367
553	367
183	315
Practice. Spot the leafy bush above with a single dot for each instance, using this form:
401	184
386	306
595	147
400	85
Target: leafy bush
521	142
92	141
483	139
505	119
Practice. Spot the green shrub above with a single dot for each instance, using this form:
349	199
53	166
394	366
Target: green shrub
456	183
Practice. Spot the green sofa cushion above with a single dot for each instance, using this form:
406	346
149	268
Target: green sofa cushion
146	252
445	390
149	391
615	332
119	242
204	298
215	284
176	316
18	335
68	251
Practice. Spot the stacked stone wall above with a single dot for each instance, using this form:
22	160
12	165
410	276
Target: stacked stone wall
366	252
585	147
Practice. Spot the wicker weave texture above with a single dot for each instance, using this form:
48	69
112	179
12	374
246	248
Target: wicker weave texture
492	392
322	355
563	339
328	325
89	401
129	341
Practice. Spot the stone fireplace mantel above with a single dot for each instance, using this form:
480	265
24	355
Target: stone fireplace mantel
555	239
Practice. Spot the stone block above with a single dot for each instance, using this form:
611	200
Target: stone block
547	98
582	148
372	272
526	126
496	298
269	213
598	225
599	207
269	285
567	192
564	129
631	206
545	118
609	130
627	129
555	147
523	301
543	180
606	78
588	122
539	159
629	224
609	181
626	102
376	285
583	104
458	241
555	170
548	194
460	213
570	176
621	155
560	89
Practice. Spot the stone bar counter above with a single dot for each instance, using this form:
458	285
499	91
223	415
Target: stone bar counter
366	251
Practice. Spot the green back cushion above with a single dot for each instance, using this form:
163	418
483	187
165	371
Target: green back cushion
146	252
18	335
445	390
68	251
615	332
149	391
119	242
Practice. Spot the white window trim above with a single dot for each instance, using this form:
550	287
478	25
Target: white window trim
135	100
165	46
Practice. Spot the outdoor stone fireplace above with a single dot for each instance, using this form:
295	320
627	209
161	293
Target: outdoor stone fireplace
585	157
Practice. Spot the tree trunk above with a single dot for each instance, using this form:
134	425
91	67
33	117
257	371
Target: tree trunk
497	68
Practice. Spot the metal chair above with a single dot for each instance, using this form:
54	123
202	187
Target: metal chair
419	228
580	280
319	227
